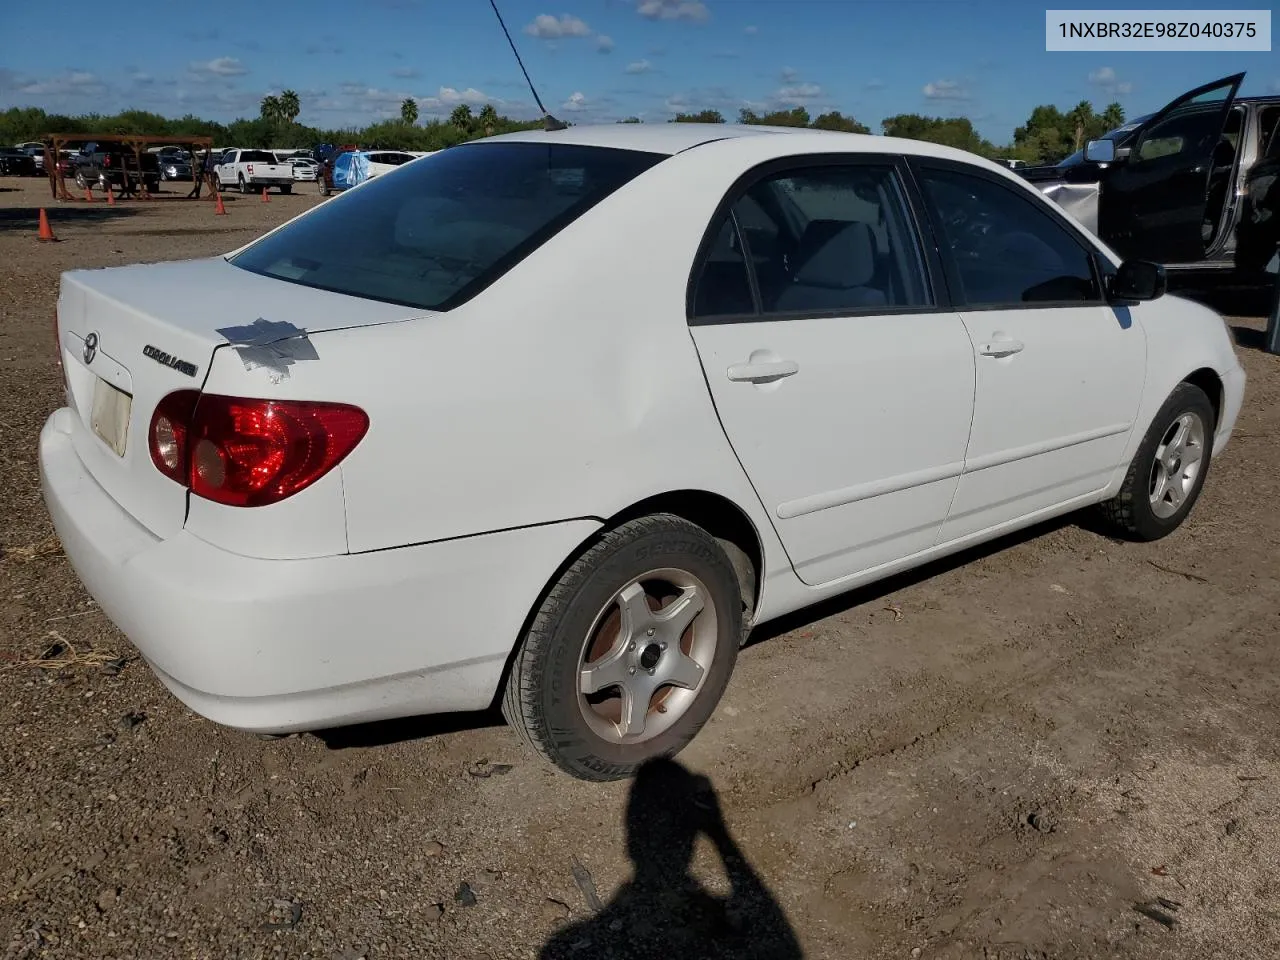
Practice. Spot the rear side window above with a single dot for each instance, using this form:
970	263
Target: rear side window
440	231
829	239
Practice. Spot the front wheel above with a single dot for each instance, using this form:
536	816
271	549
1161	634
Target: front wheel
630	651
1168	471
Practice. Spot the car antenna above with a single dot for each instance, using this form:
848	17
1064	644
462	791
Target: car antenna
549	122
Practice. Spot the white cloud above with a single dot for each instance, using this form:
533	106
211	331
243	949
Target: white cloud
218	67
576	103
405	73
61	85
751	31
639	66
1106	80
672	9
604	44
797	94
548	27
450	97
790	75
945	90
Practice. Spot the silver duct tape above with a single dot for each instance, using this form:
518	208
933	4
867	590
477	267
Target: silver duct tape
1078	199
270	345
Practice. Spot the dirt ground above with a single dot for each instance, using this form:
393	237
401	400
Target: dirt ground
1056	747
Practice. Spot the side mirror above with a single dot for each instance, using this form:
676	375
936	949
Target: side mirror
1138	280
1100	151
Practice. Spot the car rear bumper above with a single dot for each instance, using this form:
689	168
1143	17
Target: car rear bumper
276	646
268	181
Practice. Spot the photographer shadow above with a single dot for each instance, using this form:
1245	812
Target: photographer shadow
663	911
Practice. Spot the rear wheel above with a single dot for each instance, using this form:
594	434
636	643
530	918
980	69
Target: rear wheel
1168	472
287	188
244	187
630	651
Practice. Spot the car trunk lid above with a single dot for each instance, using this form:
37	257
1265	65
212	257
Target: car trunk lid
128	336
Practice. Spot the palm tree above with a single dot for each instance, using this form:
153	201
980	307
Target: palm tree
488	119
270	109
409	111
461	117
290	106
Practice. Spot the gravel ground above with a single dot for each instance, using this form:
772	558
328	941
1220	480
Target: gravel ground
1056	747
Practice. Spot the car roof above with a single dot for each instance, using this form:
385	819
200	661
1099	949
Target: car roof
673	138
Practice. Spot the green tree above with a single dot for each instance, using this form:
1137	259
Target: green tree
290	107
835	120
461	117
796	117
269	109
409	111
702	116
955	132
488	119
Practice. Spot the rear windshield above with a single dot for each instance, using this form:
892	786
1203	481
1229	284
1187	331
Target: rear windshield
445	226
257	156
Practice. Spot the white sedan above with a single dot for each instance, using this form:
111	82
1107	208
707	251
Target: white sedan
582	407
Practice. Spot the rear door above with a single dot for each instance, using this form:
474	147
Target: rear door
843	382
1153	204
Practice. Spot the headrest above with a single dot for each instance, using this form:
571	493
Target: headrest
836	254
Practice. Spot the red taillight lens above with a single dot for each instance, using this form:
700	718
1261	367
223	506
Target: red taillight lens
249	453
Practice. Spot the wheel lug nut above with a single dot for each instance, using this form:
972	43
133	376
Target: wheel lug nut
632	670
662	646
651	671
651	631
631	646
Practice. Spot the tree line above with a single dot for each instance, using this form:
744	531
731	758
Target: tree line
1048	135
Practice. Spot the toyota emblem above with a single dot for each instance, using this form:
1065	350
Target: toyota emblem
90	347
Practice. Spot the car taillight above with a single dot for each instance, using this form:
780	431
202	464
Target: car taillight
246	452
251	169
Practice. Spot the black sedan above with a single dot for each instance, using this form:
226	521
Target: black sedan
17	163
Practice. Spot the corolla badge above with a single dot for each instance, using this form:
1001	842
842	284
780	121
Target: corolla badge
90	347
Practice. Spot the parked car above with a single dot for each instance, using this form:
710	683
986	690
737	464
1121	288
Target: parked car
100	163
36	152
304	168
384	161
1188	186
175	163
562	415
252	171
326	156
16	163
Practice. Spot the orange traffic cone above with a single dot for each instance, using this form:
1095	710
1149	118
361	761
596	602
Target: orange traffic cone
111	197
46	232
265	199
219	210
88	194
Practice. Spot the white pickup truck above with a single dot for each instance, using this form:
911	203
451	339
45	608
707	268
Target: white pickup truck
252	171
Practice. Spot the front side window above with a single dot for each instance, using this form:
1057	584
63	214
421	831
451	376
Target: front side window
822	239
1006	251
439	232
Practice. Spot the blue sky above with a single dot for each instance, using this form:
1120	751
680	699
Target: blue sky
591	59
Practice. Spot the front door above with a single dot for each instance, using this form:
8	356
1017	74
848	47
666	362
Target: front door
1153	203
845	393
1059	371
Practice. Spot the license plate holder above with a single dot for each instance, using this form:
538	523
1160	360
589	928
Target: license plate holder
109	416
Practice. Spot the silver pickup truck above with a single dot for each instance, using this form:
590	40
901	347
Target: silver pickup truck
252	171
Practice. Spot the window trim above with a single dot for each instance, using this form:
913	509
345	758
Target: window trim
920	164
932	277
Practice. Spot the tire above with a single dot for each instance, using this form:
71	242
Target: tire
1136	512
324	187
244	187
287	188
581	616
217	183
81	182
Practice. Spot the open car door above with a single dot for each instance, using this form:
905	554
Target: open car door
1153	203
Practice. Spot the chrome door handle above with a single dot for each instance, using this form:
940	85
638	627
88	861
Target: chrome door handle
1001	348
762	372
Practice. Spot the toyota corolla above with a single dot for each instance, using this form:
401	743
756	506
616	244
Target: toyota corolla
553	419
